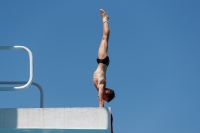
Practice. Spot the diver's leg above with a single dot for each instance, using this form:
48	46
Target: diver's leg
103	48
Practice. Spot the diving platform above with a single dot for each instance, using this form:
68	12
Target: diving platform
50	120
55	120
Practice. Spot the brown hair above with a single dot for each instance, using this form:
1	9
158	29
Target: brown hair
110	95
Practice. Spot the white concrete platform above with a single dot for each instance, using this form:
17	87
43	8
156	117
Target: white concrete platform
55	120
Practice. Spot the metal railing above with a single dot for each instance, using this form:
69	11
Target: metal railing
33	83
31	68
25	84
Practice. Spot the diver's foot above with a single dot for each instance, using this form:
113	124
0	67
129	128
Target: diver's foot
104	16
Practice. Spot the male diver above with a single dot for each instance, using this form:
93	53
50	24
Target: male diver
99	77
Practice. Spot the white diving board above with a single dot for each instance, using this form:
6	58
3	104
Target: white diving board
55	120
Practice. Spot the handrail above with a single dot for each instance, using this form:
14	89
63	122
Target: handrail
33	83
31	68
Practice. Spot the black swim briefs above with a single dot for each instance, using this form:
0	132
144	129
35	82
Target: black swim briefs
105	61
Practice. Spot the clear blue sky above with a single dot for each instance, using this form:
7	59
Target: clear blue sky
154	50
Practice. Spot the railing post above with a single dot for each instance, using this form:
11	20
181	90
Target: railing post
33	83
